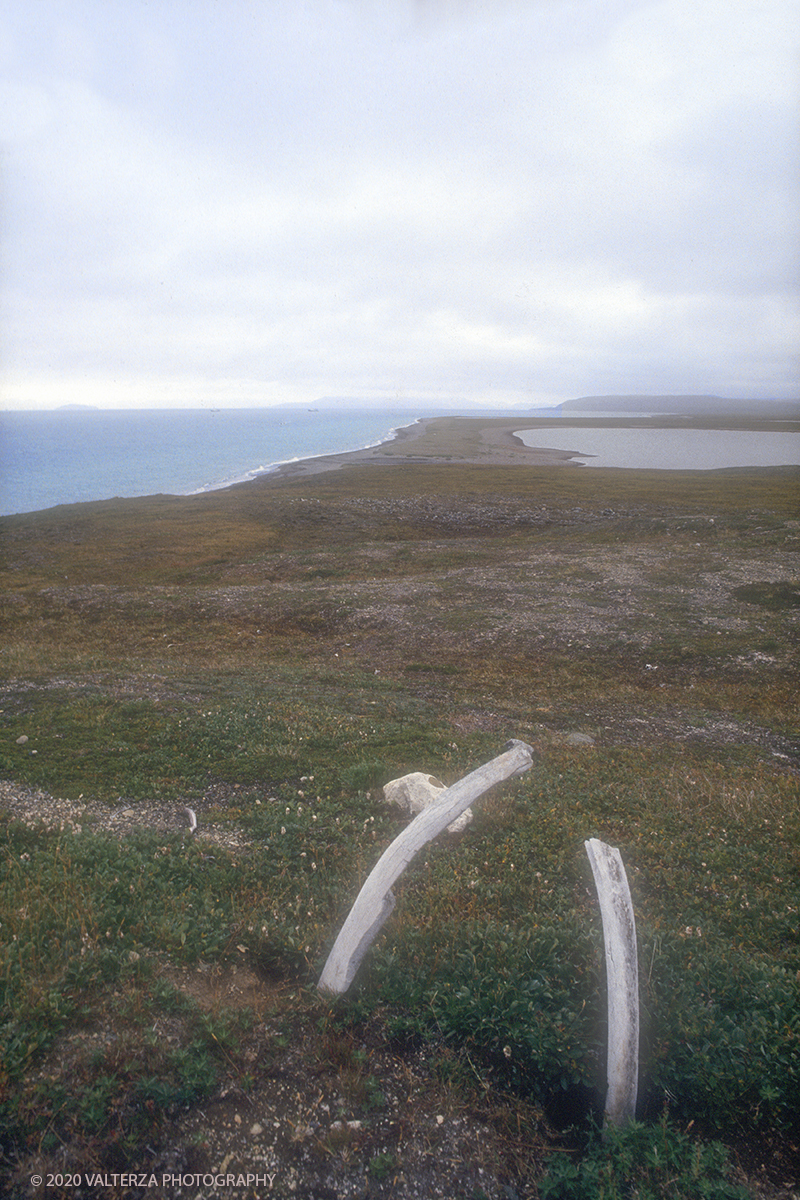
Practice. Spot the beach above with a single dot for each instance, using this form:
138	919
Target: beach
484	441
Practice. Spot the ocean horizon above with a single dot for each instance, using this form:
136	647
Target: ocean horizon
74	455
77	455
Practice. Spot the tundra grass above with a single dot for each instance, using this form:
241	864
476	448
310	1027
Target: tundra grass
273	655
495	947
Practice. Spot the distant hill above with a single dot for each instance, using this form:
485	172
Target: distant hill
690	406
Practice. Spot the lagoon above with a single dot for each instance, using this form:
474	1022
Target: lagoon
668	449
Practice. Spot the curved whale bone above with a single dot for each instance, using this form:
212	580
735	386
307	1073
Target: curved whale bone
375	901
622	981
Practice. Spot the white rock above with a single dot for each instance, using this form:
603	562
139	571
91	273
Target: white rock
415	792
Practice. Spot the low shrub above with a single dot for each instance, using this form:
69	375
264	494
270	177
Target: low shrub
649	1162
723	1038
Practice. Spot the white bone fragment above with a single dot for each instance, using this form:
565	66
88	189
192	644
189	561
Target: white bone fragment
375	901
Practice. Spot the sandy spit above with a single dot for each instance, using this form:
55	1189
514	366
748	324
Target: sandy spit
488	441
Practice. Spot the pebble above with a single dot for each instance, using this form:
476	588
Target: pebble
22	740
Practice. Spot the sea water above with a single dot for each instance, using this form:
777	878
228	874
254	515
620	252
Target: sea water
66	456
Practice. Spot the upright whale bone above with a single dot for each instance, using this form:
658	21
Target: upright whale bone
622	980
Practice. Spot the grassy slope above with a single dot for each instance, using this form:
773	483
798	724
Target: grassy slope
349	627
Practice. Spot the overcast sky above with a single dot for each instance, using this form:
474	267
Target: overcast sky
511	202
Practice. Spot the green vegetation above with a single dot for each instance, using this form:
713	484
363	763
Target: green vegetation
657	1161
271	656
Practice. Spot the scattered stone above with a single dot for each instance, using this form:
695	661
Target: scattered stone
580	739
415	792
22	740
256	1130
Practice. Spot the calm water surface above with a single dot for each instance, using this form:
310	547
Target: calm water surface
64	456
669	449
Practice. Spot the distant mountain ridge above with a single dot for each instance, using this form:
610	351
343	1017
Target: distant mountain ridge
690	406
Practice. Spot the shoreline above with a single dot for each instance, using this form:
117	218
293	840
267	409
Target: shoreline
254	474
457	440
437	441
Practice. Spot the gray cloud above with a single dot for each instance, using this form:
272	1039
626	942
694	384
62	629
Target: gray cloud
511	202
